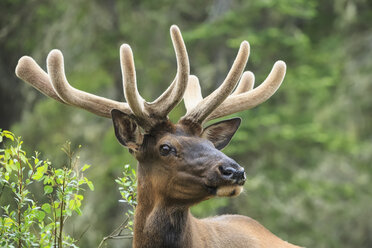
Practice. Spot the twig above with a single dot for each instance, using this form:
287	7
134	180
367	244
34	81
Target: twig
83	233
117	233
61	221
20	180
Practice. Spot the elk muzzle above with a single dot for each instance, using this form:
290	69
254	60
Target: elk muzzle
234	178
228	179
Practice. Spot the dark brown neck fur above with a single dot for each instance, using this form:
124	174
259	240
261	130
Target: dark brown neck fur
157	223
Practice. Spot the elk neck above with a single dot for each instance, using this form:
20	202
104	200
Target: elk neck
158	222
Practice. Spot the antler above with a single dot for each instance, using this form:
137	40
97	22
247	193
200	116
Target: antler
55	85
244	97
205	107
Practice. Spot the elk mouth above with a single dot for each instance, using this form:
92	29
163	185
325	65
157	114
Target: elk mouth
225	190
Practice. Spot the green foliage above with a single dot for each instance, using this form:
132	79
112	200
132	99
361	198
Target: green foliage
128	190
27	221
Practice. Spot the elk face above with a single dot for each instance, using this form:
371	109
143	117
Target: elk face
183	162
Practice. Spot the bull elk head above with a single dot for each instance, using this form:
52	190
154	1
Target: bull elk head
179	164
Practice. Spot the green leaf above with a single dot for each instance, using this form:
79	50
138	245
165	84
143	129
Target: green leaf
12	166
40	172
90	184
8	135
85	167
79	197
48	189
40	215
46	207
78	211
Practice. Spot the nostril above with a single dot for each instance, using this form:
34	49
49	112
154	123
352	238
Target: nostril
229	171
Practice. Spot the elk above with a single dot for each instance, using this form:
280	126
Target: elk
179	165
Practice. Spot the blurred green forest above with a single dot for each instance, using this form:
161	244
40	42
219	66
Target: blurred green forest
307	151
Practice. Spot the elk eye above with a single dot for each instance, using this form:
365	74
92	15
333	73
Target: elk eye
165	150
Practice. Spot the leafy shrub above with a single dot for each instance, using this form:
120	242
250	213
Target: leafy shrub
27	219
128	190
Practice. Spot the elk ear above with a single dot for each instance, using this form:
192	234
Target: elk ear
220	133
126	130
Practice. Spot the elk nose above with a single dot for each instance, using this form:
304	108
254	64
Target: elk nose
230	173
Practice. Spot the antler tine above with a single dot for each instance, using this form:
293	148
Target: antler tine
134	99
193	95
250	99
95	104
173	95
29	71
211	102
147	114
245	84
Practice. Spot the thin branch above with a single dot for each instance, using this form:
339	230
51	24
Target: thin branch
117	233
20	181
83	233
61	222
